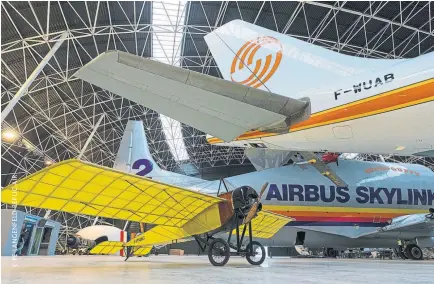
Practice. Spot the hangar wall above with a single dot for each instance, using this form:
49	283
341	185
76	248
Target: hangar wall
40	234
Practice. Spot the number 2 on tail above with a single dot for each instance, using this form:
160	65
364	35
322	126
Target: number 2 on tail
142	162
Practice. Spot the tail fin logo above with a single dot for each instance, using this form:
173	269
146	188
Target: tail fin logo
262	70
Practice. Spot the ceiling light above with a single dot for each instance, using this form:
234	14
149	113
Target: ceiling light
400	148
48	162
9	135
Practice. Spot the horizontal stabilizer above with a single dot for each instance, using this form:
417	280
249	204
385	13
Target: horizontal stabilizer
107	247
215	106
112	247
142	251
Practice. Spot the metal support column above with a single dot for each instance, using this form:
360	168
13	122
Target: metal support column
32	77
85	147
95	220
126	225
90	137
47	214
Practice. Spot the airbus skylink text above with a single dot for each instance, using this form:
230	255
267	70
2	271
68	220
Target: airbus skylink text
363	194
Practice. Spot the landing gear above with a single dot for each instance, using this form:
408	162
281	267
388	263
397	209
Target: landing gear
257	253
400	252
413	252
410	251
219	252
330	252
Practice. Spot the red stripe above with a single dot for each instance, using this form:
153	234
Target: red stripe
122	240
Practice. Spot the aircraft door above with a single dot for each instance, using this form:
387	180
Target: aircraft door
37	238
24	241
45	241
36	241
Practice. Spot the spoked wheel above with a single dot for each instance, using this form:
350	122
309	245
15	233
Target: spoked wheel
258	256
218	252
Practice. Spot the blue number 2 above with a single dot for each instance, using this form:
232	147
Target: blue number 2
143	162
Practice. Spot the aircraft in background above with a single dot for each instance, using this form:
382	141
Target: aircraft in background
284	93
382	204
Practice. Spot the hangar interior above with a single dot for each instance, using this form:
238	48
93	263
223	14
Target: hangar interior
54	119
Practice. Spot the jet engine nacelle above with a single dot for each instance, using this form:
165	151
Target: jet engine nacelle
73	241
77	241
426	242
100	233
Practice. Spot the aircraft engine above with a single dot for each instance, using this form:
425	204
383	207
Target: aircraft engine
100	233
76	242
243	199
73	241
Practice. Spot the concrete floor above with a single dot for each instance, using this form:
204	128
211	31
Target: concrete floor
197	269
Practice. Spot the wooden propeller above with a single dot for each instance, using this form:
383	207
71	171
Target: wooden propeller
254	209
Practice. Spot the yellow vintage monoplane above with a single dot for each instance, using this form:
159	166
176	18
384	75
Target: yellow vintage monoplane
78	187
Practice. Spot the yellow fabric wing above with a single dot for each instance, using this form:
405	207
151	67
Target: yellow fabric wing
266	224
78	187
207	220
140	251
112	247
107	247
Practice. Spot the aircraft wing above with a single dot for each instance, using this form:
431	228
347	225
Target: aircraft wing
415	225
267	224
222	108
78	187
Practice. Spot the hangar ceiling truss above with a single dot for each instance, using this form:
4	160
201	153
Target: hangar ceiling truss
55	118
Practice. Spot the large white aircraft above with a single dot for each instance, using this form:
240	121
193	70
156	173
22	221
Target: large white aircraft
283	93
382	203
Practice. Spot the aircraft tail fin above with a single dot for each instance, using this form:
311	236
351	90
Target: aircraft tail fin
268	60
133	155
